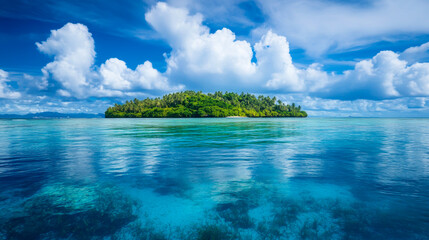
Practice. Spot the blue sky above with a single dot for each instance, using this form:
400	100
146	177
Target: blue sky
334	58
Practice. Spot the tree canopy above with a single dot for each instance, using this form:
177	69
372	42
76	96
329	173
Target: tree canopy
197	104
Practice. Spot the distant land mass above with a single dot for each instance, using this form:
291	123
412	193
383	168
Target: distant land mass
197	104
43	115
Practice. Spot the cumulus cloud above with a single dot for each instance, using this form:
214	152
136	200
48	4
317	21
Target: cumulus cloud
117	76
382	77
5	91
275	62
72	47
197	52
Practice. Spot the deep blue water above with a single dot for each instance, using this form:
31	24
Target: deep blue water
315	178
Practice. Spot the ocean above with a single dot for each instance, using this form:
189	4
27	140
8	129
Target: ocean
218	178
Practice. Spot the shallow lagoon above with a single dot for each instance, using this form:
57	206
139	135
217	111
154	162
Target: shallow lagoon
315	178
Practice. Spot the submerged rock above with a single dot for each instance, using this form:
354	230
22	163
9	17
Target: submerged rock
215	232
236	213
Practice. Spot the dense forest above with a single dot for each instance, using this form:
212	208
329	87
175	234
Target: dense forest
198	104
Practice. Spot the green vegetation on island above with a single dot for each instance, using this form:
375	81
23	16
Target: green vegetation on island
197	104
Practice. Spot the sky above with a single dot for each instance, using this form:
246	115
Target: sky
335	58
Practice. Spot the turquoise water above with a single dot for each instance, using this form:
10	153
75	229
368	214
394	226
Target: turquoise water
315	178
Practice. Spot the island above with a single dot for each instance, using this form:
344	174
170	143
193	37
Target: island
193	104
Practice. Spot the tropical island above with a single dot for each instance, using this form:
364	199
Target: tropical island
197	104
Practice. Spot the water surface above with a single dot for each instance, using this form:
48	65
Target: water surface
315	178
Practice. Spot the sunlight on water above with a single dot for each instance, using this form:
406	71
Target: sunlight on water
214	179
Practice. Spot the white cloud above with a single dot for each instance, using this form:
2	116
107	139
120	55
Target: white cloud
73	67
381	77
73	49
5	91
117	76
197	52
324	26
275	62
114	73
